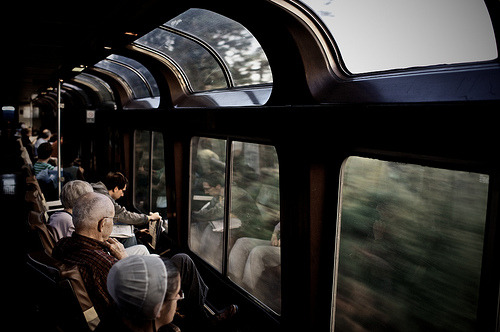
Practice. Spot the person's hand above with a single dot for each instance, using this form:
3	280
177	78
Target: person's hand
275	242
154	216
116	248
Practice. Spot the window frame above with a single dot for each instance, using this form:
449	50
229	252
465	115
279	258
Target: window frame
438	83
327	32
227	209
101	88
126	93
187	82
137	71
485	282
218	58
134	163
151	159
182	92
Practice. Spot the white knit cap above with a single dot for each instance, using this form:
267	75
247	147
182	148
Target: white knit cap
138	285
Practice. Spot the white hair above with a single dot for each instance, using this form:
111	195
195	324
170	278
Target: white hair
90	208
72	191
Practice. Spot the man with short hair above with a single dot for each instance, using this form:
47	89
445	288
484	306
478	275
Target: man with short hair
44	152
91	248
42	138
114	186
94	252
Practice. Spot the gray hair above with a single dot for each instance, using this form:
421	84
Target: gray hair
90	208
72	191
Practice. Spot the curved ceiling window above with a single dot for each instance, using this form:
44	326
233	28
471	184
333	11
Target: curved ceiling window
142	72
101	88
395	34
200	68
213	51
137	78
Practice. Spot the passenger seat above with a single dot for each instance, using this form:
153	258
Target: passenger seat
60	293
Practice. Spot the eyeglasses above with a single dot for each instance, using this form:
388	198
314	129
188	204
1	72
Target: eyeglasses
115	219
180	296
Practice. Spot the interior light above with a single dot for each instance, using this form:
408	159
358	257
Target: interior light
79	68
131	34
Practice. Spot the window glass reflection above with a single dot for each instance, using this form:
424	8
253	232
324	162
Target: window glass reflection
199	66
254	232
208	160
410	247
142	163
254	240
239	49
158	181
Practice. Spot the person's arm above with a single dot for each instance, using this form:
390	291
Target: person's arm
214	211
130	218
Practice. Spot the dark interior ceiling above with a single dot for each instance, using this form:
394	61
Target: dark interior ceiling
42	41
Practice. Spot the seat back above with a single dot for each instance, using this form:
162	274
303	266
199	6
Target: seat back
35	199
42	236
61	293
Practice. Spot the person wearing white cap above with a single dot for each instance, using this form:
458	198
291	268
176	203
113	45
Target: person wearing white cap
145	290
94	252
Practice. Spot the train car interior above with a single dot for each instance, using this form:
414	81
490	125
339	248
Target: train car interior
367	127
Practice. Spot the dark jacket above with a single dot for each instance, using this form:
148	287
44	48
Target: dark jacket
124	216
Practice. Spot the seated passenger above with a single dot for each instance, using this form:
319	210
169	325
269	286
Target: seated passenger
145	290
245	219
62	221
46	172
206	157
114	187
94	252
42	138
91	248
250	258
44	152
243	207
245	215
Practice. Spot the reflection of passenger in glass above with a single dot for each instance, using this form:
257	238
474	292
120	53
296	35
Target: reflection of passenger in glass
255	264
208	222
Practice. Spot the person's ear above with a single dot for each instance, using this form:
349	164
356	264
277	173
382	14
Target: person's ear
100	224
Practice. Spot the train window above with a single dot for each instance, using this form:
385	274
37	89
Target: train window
149	172
241	52
254	234
142	72
409	247
133	74
208	168
142	161
158	181
211	50
393	34
253	244
101	88
201	69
